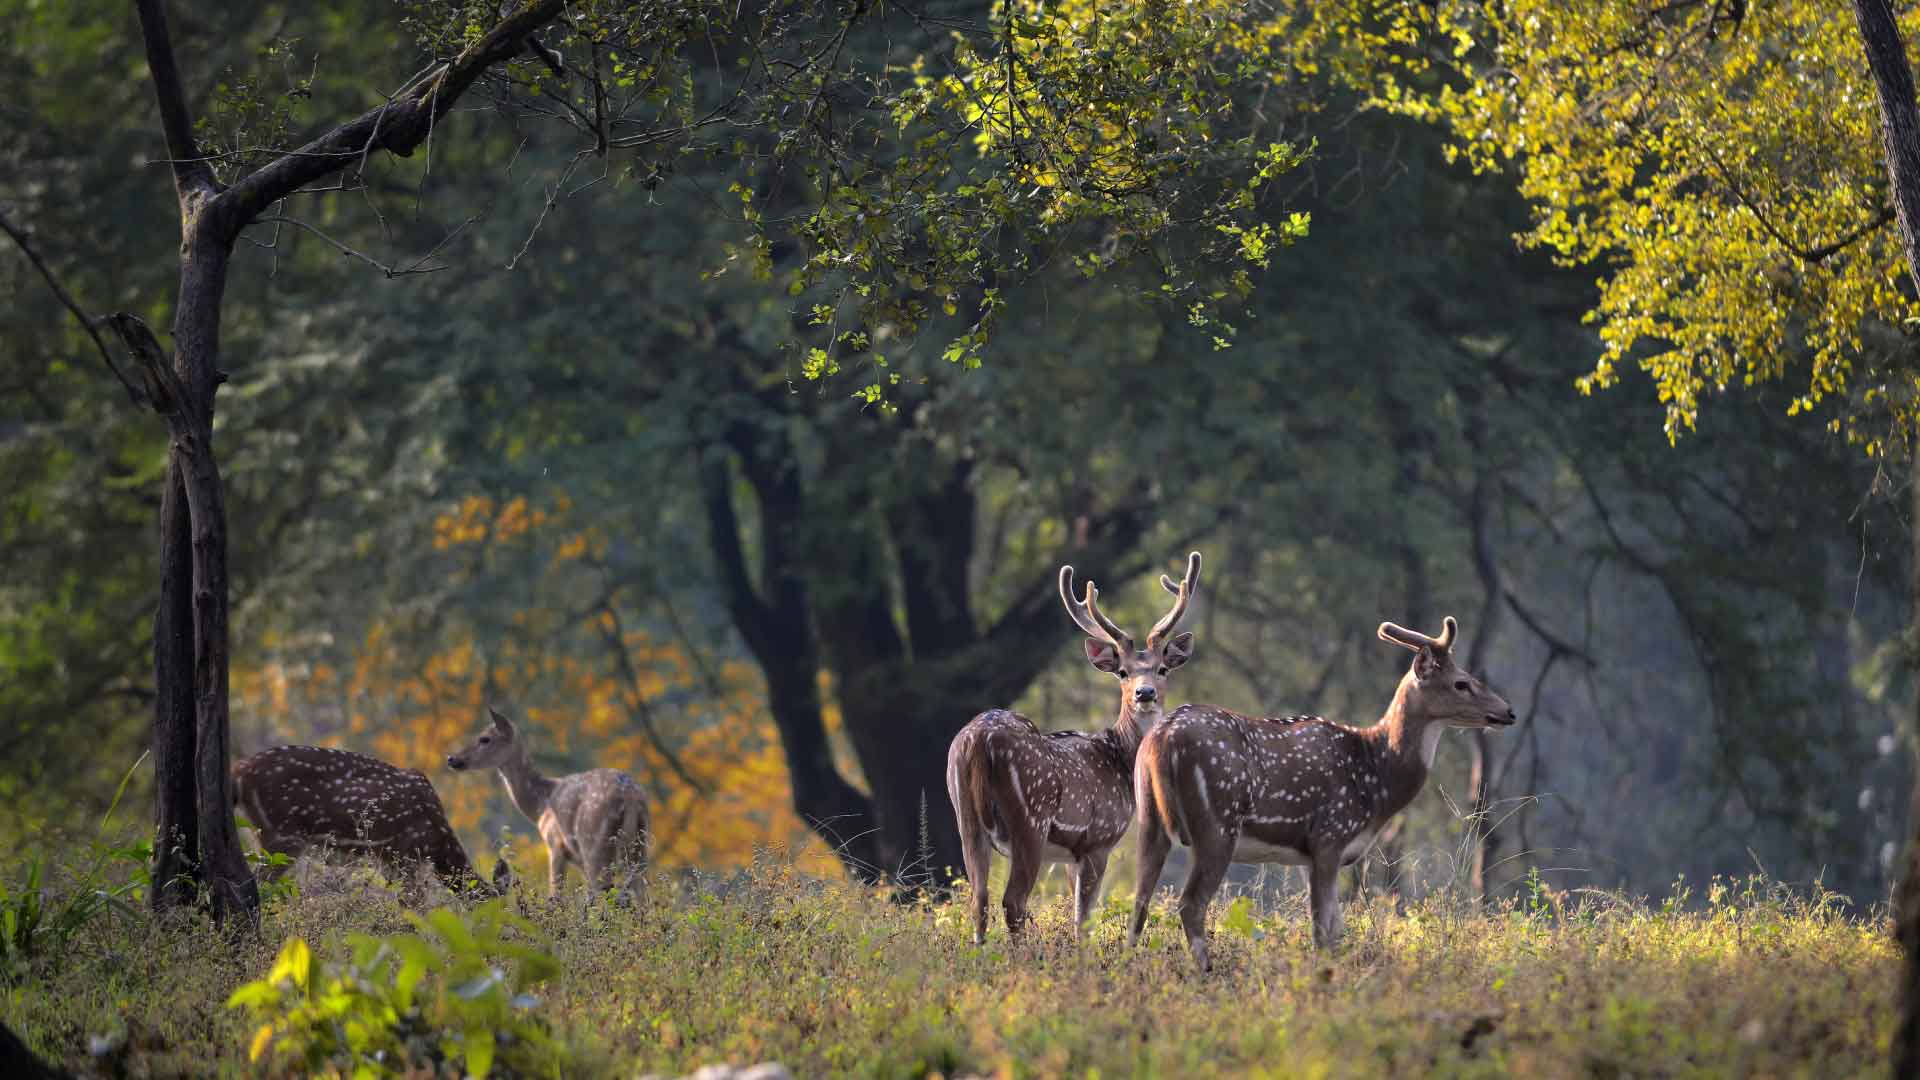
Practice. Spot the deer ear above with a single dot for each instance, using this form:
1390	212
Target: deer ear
1102	655
1427	663
1179	650
500	721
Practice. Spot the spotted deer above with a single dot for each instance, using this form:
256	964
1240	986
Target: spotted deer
596	818
1063	796
1298	789
314	797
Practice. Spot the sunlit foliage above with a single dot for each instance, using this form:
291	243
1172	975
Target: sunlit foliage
1719	165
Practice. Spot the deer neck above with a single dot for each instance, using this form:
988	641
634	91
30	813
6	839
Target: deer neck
1131	725
1404	743
526	786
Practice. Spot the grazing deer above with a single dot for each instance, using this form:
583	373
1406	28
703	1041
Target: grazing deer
1062	796
1298	789
596	818
298	797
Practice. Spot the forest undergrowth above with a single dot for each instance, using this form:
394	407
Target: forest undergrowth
1739	977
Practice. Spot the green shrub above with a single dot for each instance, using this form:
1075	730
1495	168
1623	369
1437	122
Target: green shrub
35	925
453	997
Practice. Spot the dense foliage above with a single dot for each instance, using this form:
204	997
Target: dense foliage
1720	164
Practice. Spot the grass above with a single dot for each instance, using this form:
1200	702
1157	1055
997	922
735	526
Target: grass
1745	979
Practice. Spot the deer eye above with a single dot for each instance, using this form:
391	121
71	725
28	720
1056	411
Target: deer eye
1163	671
485	739
1461	685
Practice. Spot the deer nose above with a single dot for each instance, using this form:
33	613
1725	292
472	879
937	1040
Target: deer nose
454	762
1145	692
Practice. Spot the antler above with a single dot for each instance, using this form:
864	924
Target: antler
1414	639
1088	616
1184	594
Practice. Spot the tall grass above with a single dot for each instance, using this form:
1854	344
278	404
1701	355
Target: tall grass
1744	978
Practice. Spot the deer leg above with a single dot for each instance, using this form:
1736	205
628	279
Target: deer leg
1024	850
1086	890
1324	885
556	870
1153	845
978	857
602	874
1212	854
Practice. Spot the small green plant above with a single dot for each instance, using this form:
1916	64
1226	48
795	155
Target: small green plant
273	886
453	997
35	925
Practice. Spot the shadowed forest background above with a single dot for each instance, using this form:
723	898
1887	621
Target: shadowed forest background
578	471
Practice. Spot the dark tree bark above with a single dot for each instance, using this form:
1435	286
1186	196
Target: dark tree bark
823	601
776	623
176	816
197	848
1900	131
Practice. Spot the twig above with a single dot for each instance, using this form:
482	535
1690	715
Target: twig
87	322
390	271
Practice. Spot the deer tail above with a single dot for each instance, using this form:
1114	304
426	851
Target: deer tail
1150	794
976	783
969	786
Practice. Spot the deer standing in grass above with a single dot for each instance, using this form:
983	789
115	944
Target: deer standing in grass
1062	796
596	818
1299	789
300	797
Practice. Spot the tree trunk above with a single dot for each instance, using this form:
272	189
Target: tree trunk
1900	131
198	848
176	842
775	621
198	854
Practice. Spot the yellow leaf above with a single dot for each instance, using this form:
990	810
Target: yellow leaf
261	1039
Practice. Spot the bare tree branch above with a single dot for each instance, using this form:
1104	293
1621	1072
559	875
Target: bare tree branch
87	322
397	126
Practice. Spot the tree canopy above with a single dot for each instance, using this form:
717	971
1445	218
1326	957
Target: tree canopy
1717	164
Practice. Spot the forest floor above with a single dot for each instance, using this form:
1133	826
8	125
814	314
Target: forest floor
831	979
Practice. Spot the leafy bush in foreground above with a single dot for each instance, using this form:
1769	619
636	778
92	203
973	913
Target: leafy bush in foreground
452	996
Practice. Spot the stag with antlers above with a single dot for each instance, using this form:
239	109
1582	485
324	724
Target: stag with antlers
1299	789
1063	796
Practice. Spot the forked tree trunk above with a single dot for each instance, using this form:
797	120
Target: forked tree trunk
1900	130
